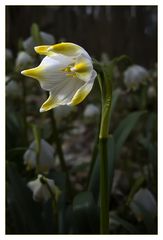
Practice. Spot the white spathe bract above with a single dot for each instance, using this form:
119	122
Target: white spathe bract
134	76
66	72
43	189
46	156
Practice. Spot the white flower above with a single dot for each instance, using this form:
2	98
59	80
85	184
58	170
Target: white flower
29	43
46	158
91	112
66	72
63	112
13	89
143	202
151	92
9	54
23	60
134	76
43	189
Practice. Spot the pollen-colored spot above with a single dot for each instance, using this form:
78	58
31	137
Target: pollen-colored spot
81	67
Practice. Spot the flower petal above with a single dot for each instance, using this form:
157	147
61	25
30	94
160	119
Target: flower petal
49	71
42	50
68	49
62	94
83	68
83	91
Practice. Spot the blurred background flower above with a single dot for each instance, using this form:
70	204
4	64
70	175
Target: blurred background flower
45	159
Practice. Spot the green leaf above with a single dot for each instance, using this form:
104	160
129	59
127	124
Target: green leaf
138	183
123	62
94	179
37	137
85	212
35	33
115	96
111	160
124	129
24	213
125	224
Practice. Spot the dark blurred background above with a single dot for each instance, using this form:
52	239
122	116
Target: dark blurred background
115	30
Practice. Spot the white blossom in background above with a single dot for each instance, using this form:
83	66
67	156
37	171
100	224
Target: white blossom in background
13	89
151	92
29	43
9	54
43	189
23	60
142	201
66	72
91	112
134	76
46	156
62	112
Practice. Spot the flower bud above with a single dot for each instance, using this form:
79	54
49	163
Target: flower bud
134	76
43	189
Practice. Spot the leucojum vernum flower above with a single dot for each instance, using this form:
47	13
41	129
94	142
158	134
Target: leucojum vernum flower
66	72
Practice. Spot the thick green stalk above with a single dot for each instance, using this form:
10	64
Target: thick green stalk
104	193
103	148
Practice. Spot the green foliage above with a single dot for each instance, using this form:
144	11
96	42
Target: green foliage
124	129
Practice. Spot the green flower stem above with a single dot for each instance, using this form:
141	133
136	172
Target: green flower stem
37	138
54	202
104	193
60	152
103	148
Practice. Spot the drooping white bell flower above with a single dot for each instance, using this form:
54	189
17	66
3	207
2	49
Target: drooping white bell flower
144	202
91	113
66	72
43	189
13	89
63	112
46	156
134	76
151	92
23	60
